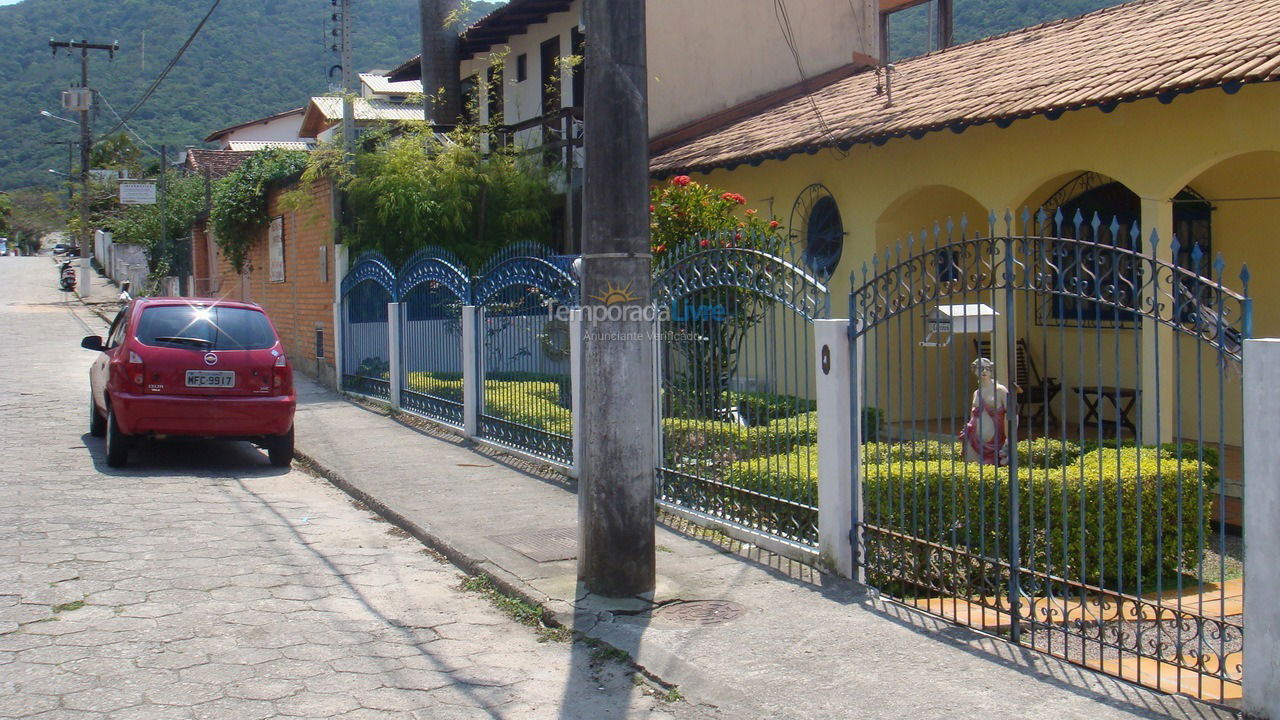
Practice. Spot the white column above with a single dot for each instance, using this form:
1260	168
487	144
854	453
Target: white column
1261	531
393	349
472	373
839	435
575	384
341	263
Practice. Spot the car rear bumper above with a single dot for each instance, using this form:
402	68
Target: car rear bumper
203	416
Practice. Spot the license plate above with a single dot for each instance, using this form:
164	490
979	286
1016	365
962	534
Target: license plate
211	378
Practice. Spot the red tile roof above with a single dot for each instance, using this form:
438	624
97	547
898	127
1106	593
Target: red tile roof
217	163
1148	48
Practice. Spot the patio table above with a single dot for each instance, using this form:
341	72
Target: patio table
1093	395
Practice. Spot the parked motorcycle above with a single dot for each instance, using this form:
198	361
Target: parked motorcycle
67	276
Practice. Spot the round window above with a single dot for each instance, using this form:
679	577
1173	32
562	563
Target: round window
815	220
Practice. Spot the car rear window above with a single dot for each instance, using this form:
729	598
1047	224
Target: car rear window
206	328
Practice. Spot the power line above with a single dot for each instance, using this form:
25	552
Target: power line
788	36
164	73
132	132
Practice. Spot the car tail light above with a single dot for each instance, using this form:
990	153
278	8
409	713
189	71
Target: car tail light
137	370
280	375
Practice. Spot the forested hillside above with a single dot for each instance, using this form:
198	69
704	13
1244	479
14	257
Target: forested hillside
252	58
974	19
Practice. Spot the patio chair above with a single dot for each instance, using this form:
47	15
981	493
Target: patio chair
1034	390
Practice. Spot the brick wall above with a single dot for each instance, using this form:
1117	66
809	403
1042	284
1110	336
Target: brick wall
304	301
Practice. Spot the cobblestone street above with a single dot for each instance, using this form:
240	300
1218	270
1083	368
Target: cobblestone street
203	583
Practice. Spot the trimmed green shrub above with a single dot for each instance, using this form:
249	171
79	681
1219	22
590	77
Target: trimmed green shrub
719	442
1046	452
442	385
912	451
759	408
1108	519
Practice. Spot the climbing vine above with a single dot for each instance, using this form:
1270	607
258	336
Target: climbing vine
240	200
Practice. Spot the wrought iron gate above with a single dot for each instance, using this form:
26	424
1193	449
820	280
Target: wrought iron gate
1096	527
523	350
739	426
433	288
366	354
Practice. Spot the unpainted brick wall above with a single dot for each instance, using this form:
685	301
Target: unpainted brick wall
304	301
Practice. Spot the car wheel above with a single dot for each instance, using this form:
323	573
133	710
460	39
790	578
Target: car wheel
280	449
117	442
97	423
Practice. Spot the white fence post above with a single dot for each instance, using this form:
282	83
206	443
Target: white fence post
575	385
341	263
839	433
1261	531
472	373
393	349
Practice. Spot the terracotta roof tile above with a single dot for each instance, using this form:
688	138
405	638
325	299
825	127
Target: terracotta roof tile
217	163
1140	49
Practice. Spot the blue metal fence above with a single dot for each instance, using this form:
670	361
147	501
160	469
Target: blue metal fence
523	341
433	289
366	352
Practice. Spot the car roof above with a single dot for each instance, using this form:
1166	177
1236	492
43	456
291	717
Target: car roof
197	302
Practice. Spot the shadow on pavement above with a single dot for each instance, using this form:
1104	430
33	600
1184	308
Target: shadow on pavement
152	458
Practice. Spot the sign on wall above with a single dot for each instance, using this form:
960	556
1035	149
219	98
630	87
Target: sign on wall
275	249
137	193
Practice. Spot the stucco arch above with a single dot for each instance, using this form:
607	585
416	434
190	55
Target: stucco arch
1269	153
919	209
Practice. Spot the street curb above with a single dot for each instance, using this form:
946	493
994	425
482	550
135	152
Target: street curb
504	581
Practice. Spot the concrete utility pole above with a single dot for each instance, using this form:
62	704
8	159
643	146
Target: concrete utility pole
616	482
348	87
86	140
442	103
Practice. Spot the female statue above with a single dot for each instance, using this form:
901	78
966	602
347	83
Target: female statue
985	435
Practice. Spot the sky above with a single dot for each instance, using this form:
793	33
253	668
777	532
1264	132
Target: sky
9	2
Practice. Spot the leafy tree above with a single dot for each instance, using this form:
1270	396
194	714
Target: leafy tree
118	152
181	202
414	190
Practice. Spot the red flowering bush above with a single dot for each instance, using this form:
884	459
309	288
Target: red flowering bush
688	213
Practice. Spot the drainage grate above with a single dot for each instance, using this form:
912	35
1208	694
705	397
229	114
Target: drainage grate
700	612
543	545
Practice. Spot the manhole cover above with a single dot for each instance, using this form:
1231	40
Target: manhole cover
543	545
700	612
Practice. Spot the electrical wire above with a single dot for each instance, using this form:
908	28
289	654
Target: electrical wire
164	73
788	36
132	132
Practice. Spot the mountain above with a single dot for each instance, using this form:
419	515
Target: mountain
251	59
974	19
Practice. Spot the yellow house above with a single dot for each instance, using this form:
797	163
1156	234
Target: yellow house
1160	113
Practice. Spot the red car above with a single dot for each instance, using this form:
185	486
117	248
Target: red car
191	367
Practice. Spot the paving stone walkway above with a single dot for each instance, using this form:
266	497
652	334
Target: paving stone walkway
203	583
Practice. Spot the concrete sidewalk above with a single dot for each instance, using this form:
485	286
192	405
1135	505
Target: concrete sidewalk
779	641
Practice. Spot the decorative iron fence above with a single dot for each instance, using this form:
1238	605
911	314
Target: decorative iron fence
1077	499
523	340
433	289
739	427
366	351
